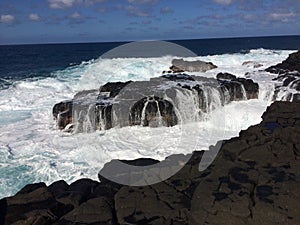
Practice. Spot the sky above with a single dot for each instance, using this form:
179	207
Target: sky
66	21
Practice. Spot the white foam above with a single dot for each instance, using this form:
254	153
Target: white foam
33	150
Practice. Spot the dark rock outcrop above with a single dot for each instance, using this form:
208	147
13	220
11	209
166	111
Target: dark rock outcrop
177	77
226	76
34	204
289	74
254	179
62	112
149	103
175	69
113	88
292	63
252	64
180	65
157	112
238	87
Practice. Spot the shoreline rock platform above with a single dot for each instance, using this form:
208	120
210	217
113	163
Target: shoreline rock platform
149	103
289	74
254	179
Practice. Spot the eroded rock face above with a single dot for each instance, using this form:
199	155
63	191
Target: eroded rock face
152	111
62	112
292	63
238	87
289	74
289	90
157	102
254	179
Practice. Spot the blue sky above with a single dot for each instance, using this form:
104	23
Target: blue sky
63	21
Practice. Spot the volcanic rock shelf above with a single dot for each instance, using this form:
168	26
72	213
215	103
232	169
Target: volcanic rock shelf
161	101
289	74
254	179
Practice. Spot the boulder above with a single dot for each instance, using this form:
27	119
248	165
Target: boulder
226	76
176	69
34	204
252	64
76	193
94	211
180	65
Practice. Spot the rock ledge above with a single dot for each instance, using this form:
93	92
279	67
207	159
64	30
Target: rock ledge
255	179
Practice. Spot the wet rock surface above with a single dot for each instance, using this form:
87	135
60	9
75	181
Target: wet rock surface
289	77
252	64
232	83
62	112
166	116
289	87
254	179
149	103
180	65
289	65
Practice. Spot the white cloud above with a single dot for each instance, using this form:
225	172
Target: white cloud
283	17
34	17
142	1
135	11
223	2
61	4
7	18
76	15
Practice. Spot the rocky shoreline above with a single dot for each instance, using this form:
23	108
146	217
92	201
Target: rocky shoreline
255	179
289	75
150	103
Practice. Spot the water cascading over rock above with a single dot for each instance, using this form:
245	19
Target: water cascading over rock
289	77
162	101
152	111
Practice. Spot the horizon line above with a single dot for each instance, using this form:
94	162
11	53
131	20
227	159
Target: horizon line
128	41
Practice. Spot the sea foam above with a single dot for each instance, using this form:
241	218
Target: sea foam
32	149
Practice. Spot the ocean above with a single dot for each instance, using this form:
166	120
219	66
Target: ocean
35	77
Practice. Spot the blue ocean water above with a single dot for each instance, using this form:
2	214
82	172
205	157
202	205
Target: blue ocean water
239	45
36	61
35	77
